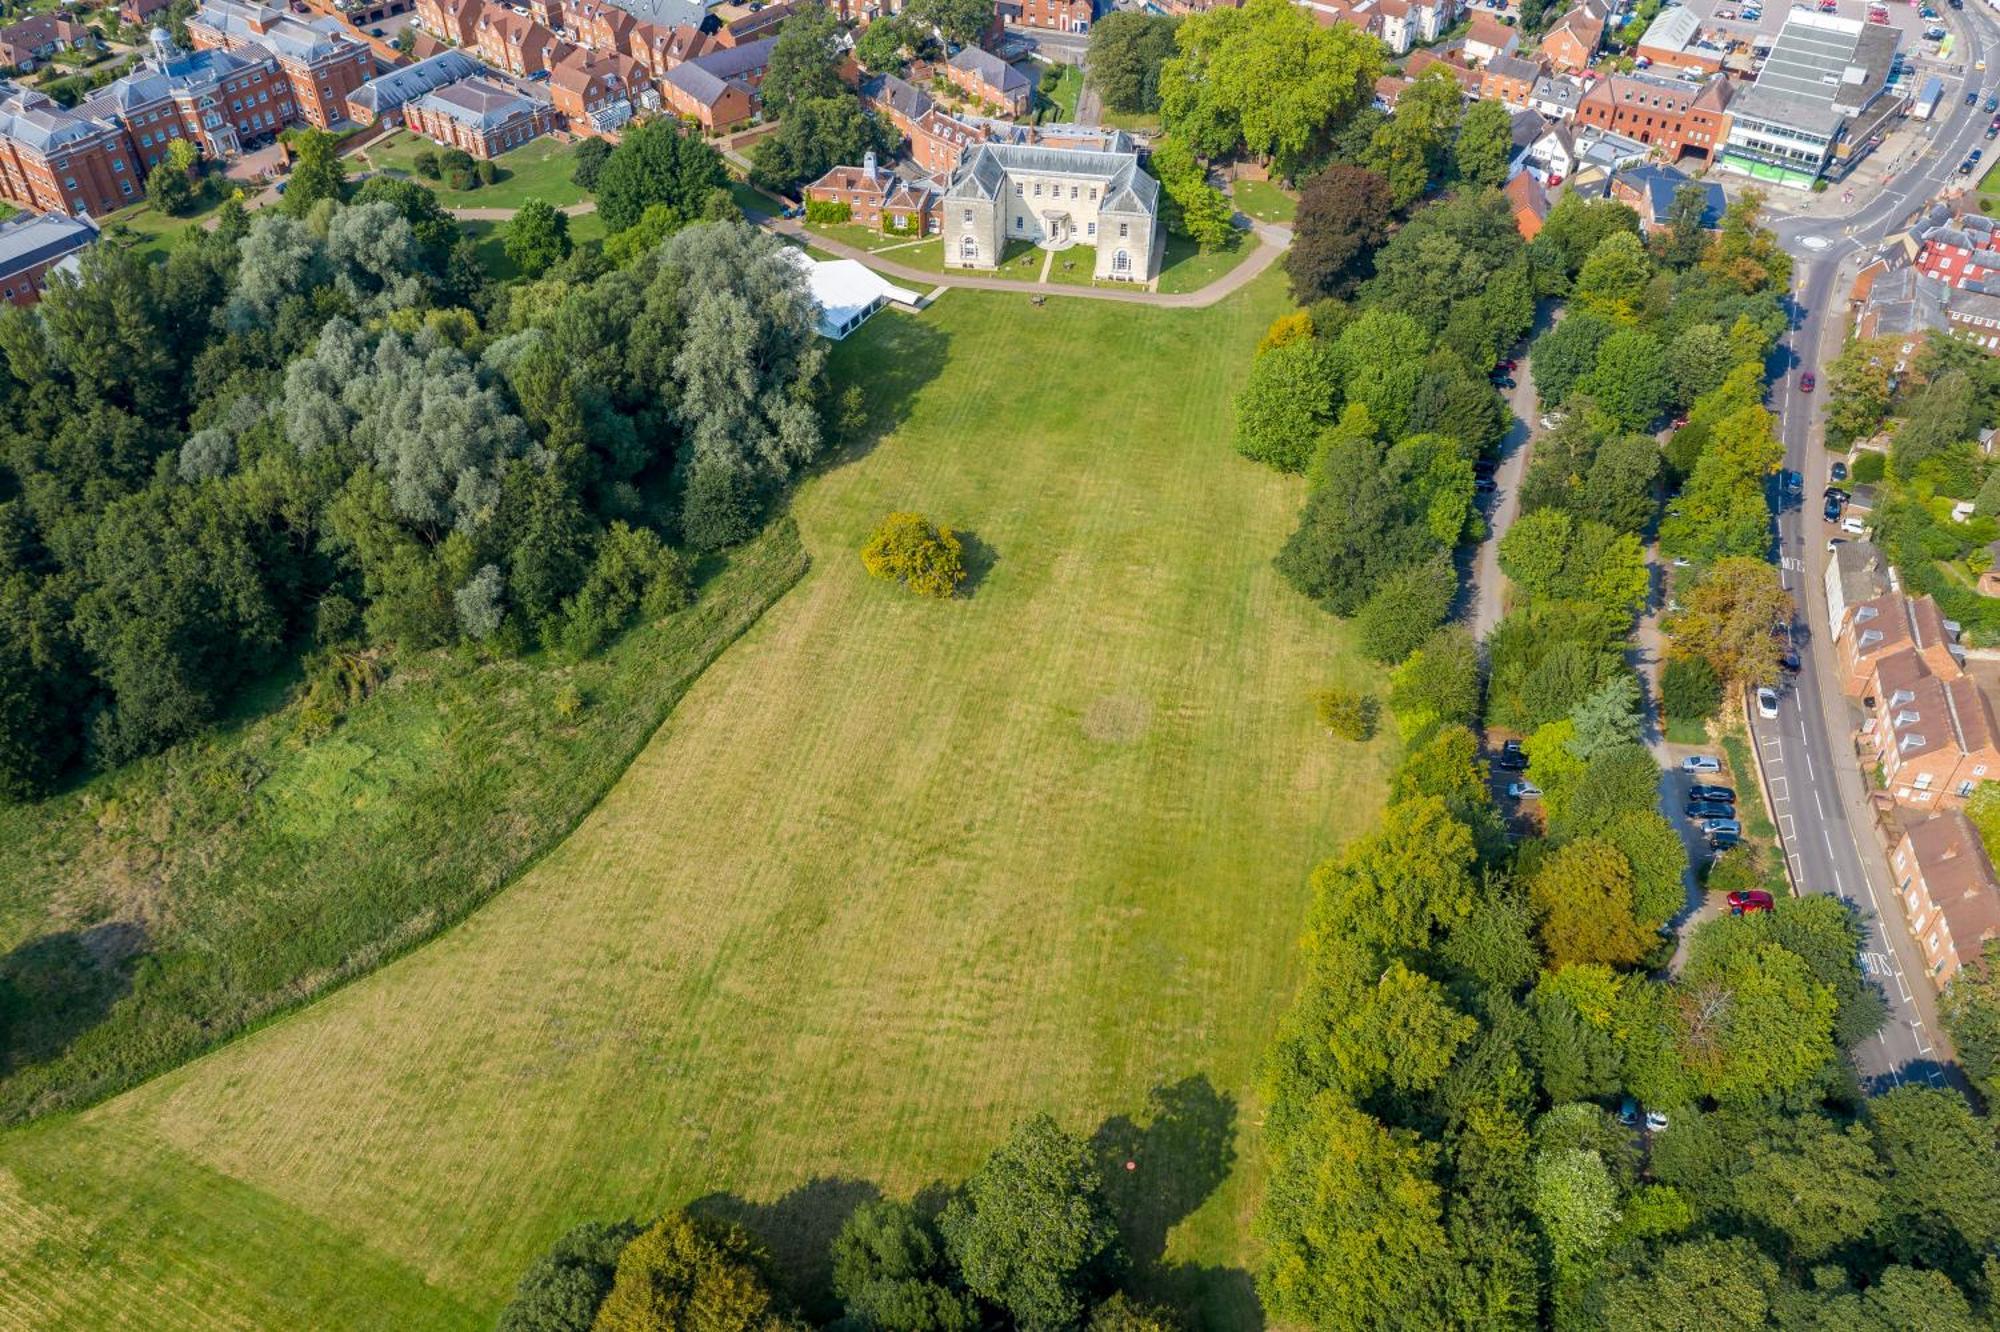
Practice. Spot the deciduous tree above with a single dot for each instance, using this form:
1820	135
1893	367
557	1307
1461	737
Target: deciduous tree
1342	217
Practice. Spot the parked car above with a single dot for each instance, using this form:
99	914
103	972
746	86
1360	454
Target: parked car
1484	485
1628	1113
1854	526
1975	155
1720	842
1514	762
1767	703
1523	790
1836	493
1789	660
1655	1122
1838	471
1831	509
1972	97
1709	809
1718	794
1993	131
1965	167
1694	763
1714	828
1992	103
1749	899
1933	34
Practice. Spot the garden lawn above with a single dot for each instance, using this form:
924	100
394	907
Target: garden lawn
1188	267
490	241
1264	201
894	875
538	169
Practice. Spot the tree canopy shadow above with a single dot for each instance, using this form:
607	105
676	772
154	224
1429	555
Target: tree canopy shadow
889	359
979	558
798	1229
1157	1174
55	988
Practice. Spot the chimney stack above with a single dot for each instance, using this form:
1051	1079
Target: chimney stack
868	166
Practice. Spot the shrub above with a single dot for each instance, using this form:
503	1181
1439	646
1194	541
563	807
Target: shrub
719	508
488	173
569	702
828	210
425	160
1689	689
1867	468
1348	713
908	548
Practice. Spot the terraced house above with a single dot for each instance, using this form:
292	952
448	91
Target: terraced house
1055	198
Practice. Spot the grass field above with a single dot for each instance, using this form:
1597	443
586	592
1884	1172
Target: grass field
894	875
538	169
489	239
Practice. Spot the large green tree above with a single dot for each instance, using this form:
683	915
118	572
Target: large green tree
1127	51
654	163
804	61
1030	1230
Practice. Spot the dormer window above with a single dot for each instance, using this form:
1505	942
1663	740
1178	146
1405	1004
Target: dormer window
1906	717
1900	697
1911	742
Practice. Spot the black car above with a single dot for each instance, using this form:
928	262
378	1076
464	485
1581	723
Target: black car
1832	509
1710	809
1972	99
1722	841
1790	661
1511	762
1838	471
1485	485
1718	794
1835	493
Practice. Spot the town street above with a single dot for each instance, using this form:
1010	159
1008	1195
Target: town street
1817	787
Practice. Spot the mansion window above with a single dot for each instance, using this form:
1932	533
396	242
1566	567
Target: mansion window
1121	262
1124	230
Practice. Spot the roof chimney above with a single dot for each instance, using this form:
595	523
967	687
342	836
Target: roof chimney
868	165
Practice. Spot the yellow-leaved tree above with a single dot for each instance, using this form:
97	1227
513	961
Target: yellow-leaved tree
910	549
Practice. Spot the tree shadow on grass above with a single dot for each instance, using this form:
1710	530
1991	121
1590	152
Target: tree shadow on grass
979	558
56	988
889	358
798	1230
1156	1175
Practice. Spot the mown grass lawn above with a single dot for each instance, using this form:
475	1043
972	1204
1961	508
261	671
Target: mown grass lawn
490	241
1264	201
538	169
894	875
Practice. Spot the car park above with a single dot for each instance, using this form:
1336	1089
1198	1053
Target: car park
1767	703
1701	763
1523	790
1720	794
1748	900
1709	809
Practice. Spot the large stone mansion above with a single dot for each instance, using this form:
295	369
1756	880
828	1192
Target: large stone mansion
1054	198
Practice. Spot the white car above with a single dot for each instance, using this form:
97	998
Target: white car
1523	790
1694	763
1767	703
1854	526
1655	1121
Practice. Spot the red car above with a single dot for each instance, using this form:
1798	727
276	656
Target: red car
1806	382
1755	899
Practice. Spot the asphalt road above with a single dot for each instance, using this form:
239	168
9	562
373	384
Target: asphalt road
1818	794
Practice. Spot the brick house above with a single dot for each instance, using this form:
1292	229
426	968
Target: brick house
1882	626
1948	891
1934	737
718	90
937	141
660	49
1055	15
481	117
457	21
34	39
986	78
31	245
219	100
1574	39
517	43
879	199
321	61
597	91
1487	37
1669	114
137	12
1510	79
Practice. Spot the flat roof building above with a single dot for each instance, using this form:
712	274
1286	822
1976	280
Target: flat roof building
1817	101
